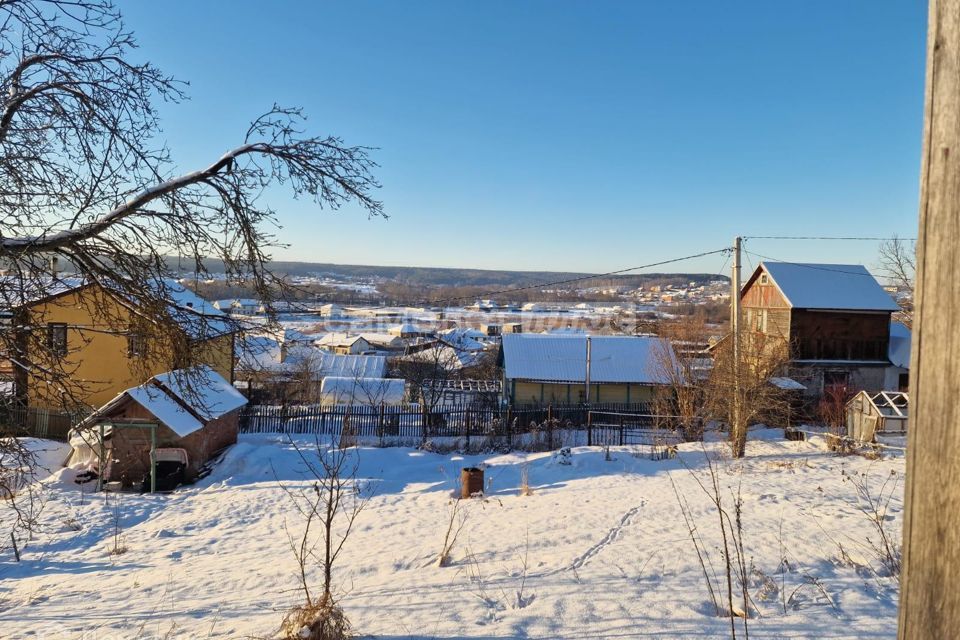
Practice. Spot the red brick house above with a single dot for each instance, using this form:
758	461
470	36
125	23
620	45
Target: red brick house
836	319
196	413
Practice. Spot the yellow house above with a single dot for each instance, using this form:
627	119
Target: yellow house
96	346
541	369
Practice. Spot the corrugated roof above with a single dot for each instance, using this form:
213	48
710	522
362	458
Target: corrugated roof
352	366
563	358
263	353
829	286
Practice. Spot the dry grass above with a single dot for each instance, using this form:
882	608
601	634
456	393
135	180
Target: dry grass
455	524
323	620
525	489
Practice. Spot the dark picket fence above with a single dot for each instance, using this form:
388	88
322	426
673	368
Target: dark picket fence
39	423
413	423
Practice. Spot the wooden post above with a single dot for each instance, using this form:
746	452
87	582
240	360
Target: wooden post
589	428
380	425
929	598
423	424
737	438
153	458
467	418
101	464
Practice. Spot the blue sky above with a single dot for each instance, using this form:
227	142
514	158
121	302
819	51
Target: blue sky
580	136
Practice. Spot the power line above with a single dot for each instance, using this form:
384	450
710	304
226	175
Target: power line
577	279
809	266
870	239
725	262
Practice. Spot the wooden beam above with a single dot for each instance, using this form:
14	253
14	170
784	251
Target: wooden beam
929	597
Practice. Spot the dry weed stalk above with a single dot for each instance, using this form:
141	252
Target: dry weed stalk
876	508
455	524
525	489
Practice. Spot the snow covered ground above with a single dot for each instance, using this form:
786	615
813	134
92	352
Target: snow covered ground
607	552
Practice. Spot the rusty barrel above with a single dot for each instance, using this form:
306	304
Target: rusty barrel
471	482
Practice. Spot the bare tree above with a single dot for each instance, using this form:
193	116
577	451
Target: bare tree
679	360
87	187
755	399
428	370
898	264
83	179
329	506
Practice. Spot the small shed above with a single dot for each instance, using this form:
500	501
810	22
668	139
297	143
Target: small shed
186	415
869	414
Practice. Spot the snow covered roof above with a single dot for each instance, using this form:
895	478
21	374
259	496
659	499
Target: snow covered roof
371	391
828	286
258	353
405	328
205	391
183	400
383	339
337	339
445	356
199	318
899	350
196	316
563	358
787	384
165	408
463	339
352	366
264	353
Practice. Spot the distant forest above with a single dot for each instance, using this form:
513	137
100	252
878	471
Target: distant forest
425	286
420	285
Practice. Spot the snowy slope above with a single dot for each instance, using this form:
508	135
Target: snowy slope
608	553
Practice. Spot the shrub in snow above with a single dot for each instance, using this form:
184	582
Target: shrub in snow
321	621
563	456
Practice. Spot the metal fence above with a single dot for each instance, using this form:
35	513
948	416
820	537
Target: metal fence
599	423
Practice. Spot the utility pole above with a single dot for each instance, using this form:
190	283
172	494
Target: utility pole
735	331
929	597
586	377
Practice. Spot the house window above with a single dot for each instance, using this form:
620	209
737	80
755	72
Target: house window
763	278
57	338
761	318
136	344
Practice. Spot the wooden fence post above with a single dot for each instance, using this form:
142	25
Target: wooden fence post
380	425
929	598
423	424
589	429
